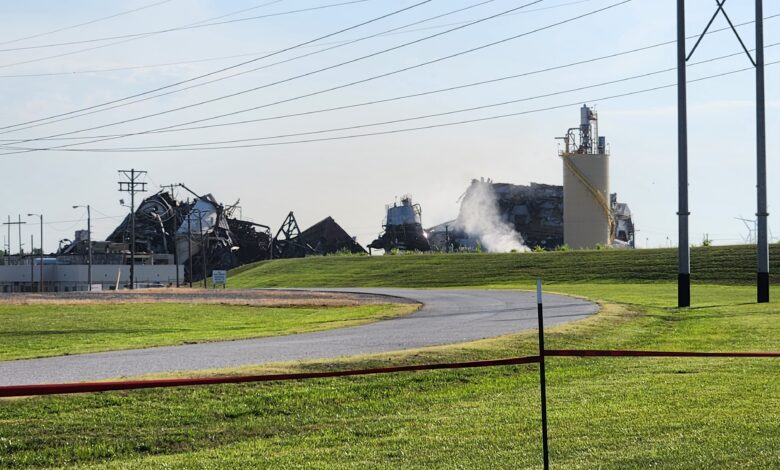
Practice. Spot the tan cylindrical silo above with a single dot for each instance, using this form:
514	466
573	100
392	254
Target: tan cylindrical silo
586	210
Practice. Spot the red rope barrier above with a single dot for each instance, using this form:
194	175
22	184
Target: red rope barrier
83	387
620	353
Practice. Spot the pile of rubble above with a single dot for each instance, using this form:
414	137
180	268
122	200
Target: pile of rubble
534	211
203	235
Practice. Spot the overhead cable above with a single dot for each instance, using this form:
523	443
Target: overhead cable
403	130
310	73
220	70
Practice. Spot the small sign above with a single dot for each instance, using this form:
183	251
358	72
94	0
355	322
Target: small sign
219	277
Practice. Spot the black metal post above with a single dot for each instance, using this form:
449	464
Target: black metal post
176	259
542	375
89	248
41	253
189	244
32	266
204	245
683	249
761	214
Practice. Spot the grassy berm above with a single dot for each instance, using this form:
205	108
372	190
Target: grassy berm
722	265
613	413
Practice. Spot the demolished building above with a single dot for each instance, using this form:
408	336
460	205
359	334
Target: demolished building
581	214
403	228
204	236
535	212
201	235
327	237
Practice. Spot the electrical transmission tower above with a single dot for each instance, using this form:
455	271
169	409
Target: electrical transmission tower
132	186
683	257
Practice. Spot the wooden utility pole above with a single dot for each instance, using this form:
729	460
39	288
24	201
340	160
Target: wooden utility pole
132	186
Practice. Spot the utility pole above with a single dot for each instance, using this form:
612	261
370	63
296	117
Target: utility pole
683	248
32	266
40	288
19	224
762	288
189	243
89	246
132	186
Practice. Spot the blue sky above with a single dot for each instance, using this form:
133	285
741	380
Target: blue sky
353	179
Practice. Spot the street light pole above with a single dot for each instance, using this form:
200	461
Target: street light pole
202	245
40	285
89	246
189	244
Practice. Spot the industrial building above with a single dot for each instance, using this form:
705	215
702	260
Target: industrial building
402	228
176	241
582	213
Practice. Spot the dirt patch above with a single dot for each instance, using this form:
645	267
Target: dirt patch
259	298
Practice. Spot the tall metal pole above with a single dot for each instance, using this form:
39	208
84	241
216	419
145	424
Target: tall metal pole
132	232
32	266
761	214
683	250
19	226
176	259
40	281
189	243
89	248
202	246
41	252
204	249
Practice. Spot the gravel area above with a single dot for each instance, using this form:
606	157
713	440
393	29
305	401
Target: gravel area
259	298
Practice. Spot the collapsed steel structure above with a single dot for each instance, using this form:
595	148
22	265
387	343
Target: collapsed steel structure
203	235
403	228
536	214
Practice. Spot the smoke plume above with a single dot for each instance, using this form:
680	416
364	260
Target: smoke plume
479	218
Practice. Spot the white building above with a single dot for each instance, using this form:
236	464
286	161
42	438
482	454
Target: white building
73	277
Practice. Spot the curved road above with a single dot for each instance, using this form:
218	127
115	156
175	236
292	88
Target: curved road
448	316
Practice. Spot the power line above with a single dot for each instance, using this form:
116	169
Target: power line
425	93
103	46
311	73
220	70
196	85
409	129
403	30
446	113
97	20
183	28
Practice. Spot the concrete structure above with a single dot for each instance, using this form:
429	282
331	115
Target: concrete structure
73	277
587	214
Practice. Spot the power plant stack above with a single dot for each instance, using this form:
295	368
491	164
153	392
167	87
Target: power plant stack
587	214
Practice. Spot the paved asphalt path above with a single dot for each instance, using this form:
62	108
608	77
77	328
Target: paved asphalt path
448	316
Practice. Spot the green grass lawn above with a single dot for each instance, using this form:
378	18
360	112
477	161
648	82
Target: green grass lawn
604	413
612	413
28	331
